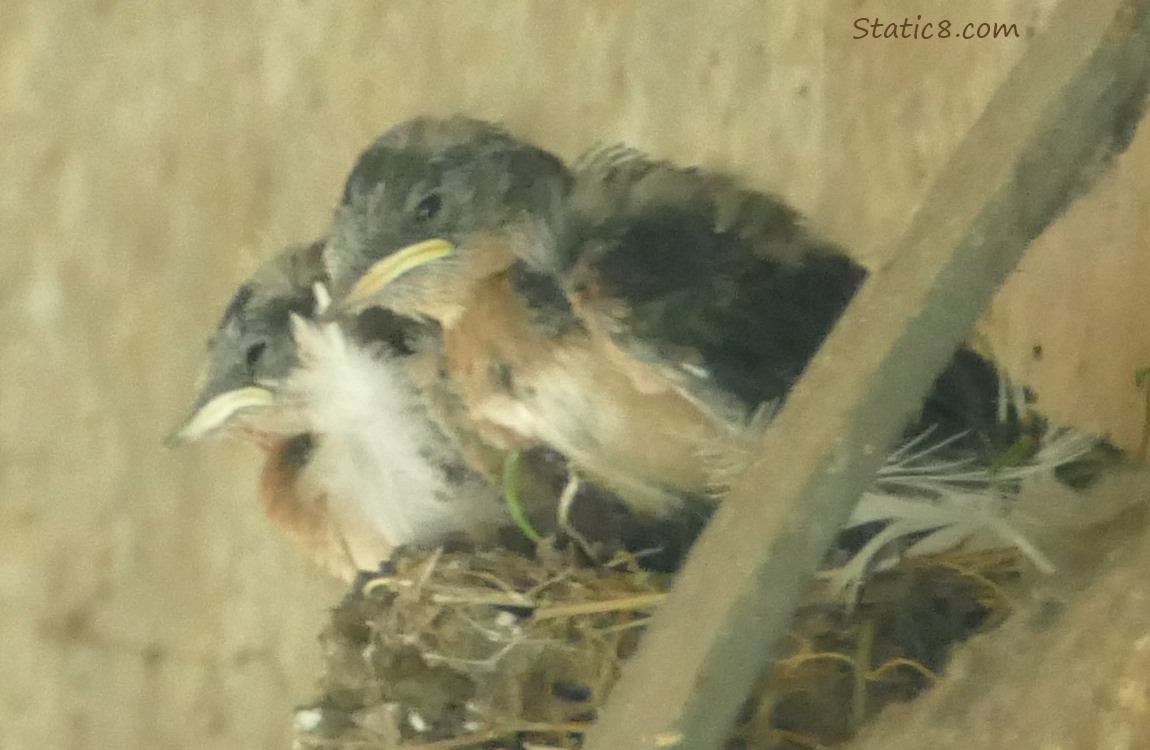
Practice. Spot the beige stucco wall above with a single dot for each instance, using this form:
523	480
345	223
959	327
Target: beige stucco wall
153	150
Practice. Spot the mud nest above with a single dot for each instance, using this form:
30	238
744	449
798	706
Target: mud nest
498	649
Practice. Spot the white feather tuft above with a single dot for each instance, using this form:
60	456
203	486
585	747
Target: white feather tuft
921	493
322	298
378	455
948	502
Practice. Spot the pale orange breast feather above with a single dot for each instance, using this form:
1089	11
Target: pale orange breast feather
621	422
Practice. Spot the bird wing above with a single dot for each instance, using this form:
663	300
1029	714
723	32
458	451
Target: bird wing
718	285
725	292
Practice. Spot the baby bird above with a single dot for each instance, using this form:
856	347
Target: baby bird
641	318
436	219
355	465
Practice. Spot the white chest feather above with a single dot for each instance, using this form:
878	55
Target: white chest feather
565	409
645	445
387	469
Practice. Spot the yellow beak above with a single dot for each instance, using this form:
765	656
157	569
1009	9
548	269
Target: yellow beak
391	268
216	412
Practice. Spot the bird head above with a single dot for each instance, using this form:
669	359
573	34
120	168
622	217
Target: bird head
435	205
253	349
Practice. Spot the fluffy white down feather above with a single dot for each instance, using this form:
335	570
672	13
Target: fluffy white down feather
947	504
942	503
378	455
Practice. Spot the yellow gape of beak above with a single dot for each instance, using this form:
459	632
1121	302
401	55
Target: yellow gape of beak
216	412
391	268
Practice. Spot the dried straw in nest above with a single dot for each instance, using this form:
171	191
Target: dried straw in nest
492	649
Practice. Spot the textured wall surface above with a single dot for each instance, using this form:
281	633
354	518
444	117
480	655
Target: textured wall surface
154	151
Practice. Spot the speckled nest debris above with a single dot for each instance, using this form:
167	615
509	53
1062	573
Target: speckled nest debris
494	649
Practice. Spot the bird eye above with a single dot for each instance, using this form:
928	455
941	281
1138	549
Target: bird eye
428	208
255	351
